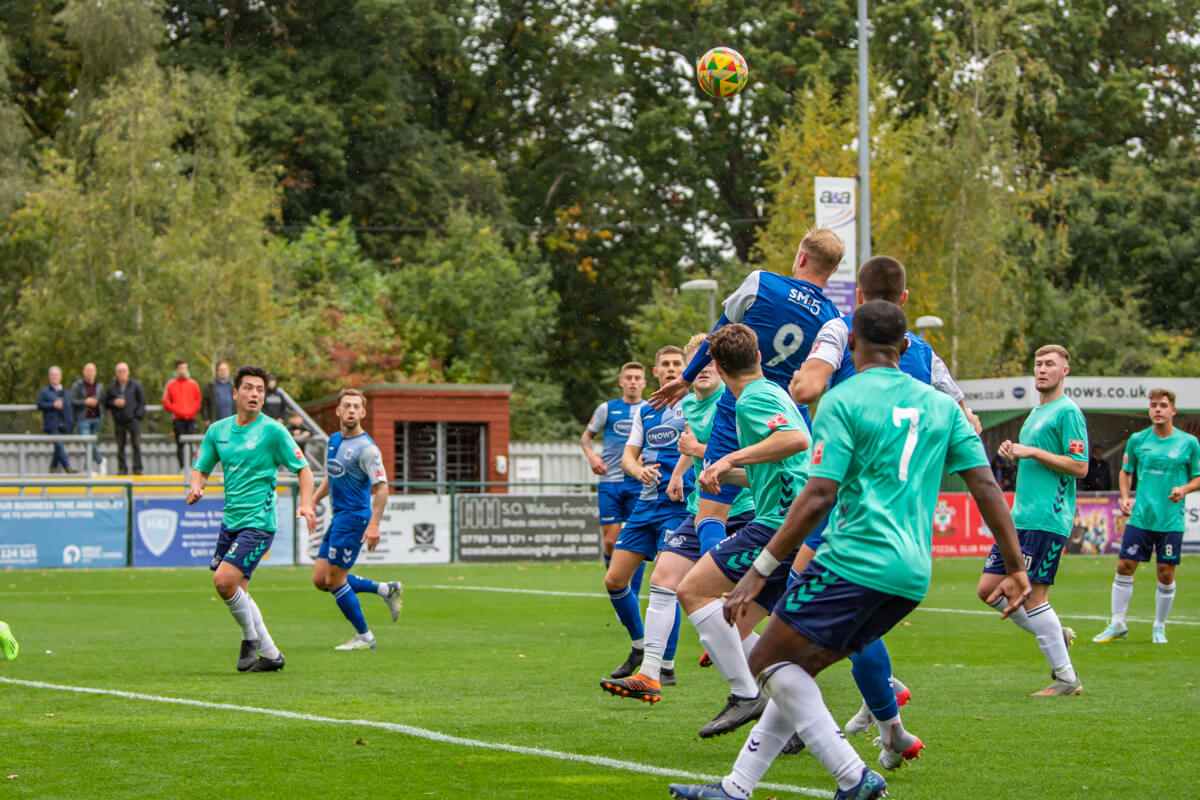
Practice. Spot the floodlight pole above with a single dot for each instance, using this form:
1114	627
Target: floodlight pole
864	139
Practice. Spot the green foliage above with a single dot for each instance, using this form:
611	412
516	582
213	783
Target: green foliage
154	248
474	310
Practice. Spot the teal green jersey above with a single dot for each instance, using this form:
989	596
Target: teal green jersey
249	458
1045	499
762	409
886	437
1160	464
699	415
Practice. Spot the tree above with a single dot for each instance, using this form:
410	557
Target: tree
472	309
156	248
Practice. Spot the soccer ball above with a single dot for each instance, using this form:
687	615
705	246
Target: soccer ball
722	72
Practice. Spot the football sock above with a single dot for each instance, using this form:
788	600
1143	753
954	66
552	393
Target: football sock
1019	617
799	698
893	736
239	606
660	617
720	640
635	583
347	601
358	584
1049	633
872	671
897	687
266	645
709	531
672	640
1162	602
607	559
1122	593
625	603
748	644
766	740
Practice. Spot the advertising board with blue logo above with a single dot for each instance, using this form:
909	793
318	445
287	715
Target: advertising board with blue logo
63	532
170	533
414	529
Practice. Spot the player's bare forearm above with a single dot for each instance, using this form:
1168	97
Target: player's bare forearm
196	484
305	478
809	381
379	496
992	506
631	462
776	447
322	491
1124	483
805	515
737	477
1059	463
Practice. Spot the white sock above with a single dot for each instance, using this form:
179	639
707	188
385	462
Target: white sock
1048	631
383	590
1019	617
668	663
799	698
898	687
748	644
240	605
660	617
720	640
1122	593
638	644
893	736
266	645
1163	599
765	742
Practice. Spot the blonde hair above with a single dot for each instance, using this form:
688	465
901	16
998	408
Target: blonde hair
693	344
825	250
352	392
1058	349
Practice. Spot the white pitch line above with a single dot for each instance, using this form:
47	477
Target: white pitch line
545	592
508	590
410	730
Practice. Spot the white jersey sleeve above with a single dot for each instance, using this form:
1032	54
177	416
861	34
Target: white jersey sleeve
831	342
637	435
941	379
370	461
599	418
738	303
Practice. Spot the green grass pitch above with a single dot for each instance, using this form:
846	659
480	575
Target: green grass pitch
522	669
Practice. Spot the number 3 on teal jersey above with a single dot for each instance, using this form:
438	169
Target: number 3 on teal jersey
913	415
788	339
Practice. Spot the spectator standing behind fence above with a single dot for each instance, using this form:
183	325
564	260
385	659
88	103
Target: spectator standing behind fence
273	403
55	405
218	396
126	398
1099	476
87	405
182	398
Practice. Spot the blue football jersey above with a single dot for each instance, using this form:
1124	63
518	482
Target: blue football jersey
614	420
919	360
657	432
354	465
786	314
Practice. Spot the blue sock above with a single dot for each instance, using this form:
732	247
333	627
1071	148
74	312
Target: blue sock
872	670
635	583
359	585
709	530
626	604
347	601
607	559
673	639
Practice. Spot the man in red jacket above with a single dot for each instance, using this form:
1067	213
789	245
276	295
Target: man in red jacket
182	399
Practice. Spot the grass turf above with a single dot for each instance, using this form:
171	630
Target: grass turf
523	669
